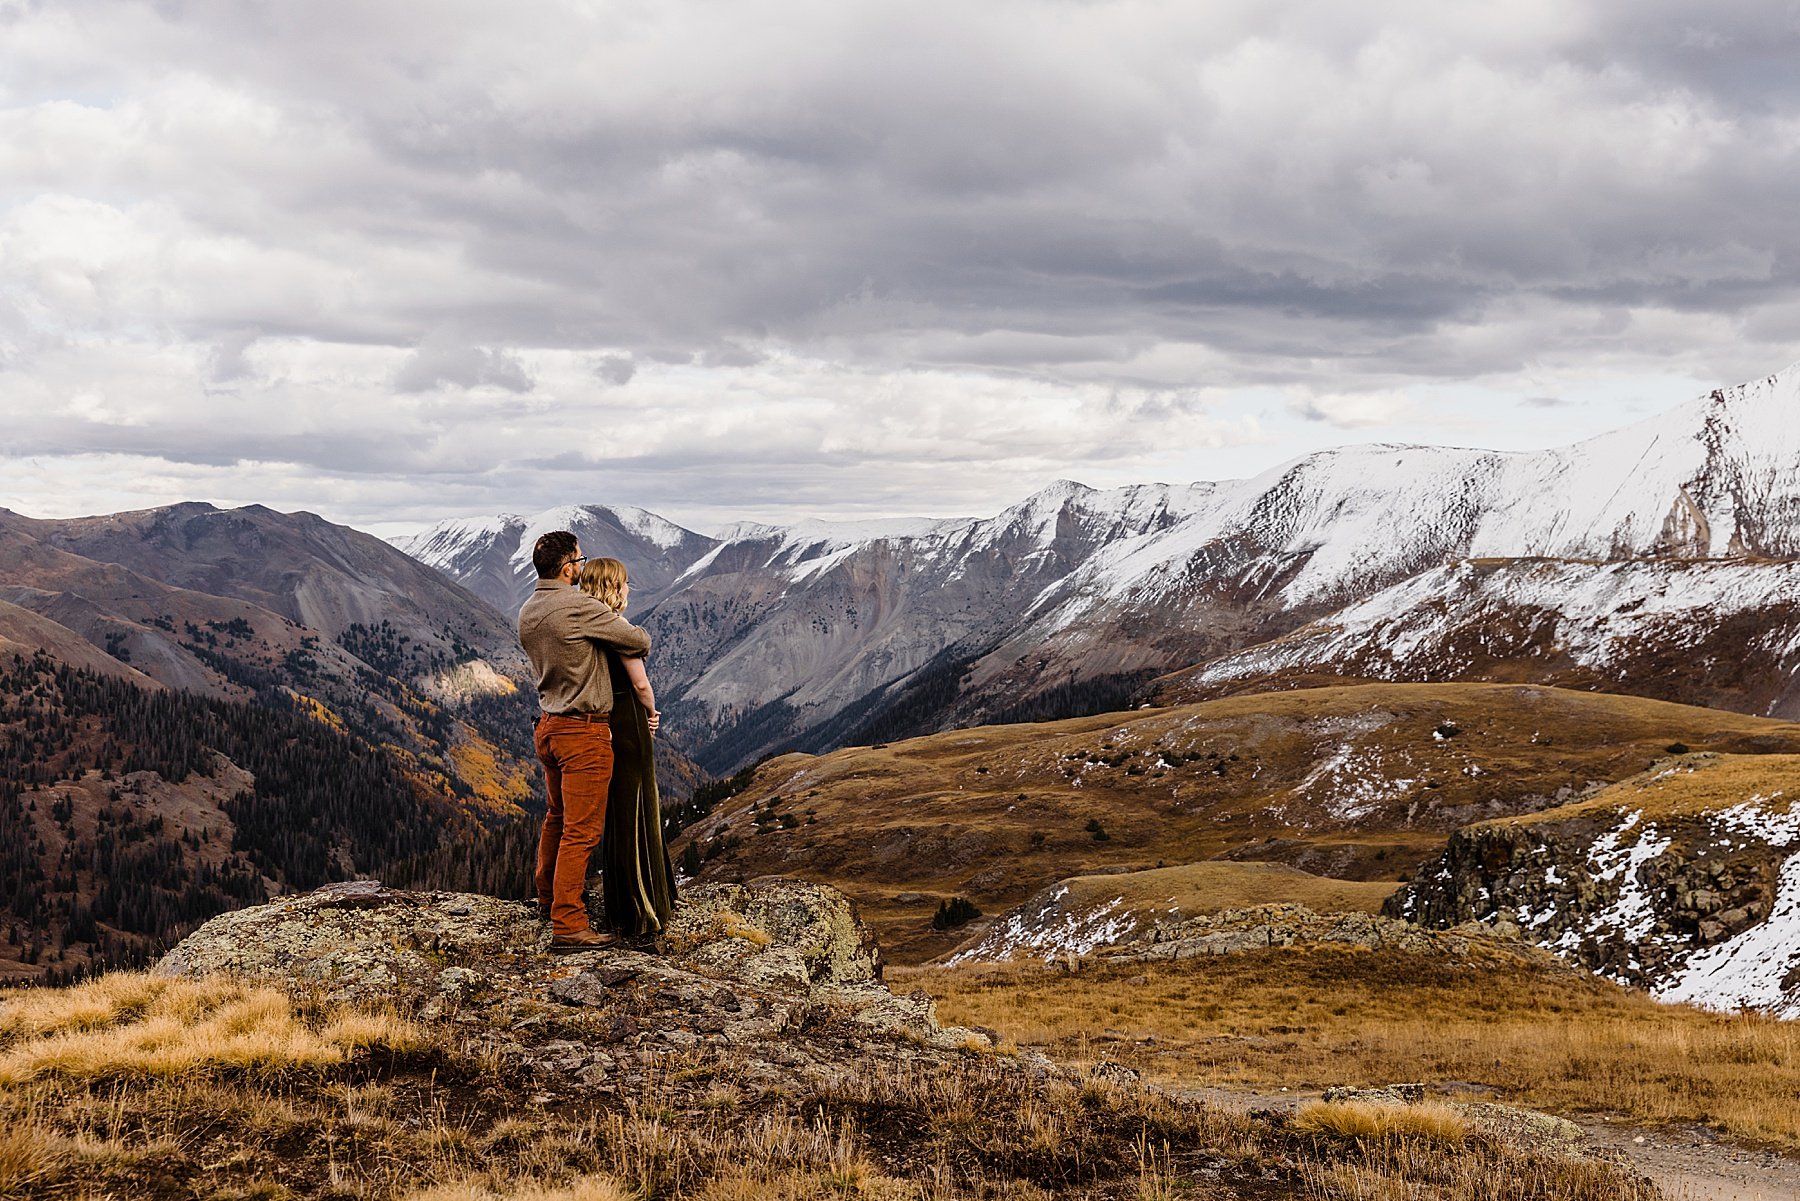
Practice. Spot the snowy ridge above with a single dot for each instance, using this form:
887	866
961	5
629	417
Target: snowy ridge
442	544
1646	533
1716	476
657	531
1432	626
492	555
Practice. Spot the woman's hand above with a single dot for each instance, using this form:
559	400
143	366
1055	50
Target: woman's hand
653	720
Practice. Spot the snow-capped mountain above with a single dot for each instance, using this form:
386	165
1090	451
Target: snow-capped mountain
820	632
1720	632
491	556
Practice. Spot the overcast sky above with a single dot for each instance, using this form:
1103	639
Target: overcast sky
766	259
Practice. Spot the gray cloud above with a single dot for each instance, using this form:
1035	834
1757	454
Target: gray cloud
437	362
615	369
430	231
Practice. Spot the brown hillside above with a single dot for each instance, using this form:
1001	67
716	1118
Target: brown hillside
1361	783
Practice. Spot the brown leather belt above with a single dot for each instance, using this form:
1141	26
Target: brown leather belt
587	717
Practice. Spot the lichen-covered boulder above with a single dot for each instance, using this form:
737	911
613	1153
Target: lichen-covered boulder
786	931
361	941
763	974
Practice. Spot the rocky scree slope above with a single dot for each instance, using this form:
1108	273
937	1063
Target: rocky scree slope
1684	880
820	634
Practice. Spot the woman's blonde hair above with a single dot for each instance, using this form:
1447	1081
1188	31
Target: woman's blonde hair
606	579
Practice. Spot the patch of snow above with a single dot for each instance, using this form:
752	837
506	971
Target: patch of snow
1352	784
1747	971
1751	819
1630	916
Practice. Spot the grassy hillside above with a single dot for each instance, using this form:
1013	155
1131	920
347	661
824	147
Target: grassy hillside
1311	1017
1690	786
1359	783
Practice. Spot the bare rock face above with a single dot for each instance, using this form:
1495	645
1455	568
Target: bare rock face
777	977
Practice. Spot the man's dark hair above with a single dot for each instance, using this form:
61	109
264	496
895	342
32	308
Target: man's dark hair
552	551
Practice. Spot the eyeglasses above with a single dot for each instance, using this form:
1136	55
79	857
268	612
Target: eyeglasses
577	561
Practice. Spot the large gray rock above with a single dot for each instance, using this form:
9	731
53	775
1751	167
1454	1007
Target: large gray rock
777	977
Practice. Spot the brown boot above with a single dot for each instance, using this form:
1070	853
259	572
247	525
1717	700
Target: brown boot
581	940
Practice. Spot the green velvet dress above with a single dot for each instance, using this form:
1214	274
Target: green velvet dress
637	879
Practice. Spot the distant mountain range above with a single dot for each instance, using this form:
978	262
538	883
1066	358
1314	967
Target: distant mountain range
280	701
1658	559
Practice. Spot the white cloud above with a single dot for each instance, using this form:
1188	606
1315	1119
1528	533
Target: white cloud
1357	410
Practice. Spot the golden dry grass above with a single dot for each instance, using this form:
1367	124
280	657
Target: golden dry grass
1417	1170
585	1188
1366	1121
1317	1017
130	1023
1689	785
995	813
458	1131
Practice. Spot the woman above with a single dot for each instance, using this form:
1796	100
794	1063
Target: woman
638	882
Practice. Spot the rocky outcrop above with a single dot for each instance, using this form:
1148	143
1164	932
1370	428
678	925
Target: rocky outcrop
776	977
1680	881
1264	926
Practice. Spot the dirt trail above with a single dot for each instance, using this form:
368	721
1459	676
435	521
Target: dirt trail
1690	1164
1687	1163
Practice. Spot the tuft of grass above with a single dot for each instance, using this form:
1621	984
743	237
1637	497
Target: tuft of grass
584	1188
725	924
27	1154
1362	1120
132	1023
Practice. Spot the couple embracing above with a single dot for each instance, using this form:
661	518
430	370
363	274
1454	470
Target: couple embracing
597	717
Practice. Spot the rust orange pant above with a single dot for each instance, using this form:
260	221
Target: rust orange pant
578	761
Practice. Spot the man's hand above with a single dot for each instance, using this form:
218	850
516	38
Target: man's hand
654	720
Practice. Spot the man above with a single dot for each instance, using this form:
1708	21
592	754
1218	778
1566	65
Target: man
562	630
